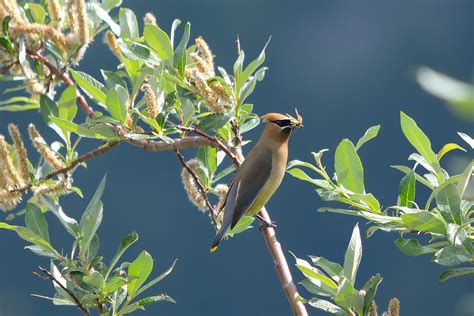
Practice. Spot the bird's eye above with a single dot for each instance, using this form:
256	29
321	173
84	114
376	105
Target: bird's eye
283	123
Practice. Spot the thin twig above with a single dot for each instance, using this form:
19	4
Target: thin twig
91	154
62	74
214	139
49	276
199	184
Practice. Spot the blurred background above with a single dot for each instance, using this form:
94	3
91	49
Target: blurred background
346	66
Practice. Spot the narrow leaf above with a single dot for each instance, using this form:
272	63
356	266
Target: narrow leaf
353	255
371	133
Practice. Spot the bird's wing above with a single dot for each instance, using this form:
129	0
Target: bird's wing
248	182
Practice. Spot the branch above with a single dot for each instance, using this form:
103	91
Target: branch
281	265
49	276
213	139
199	184
67	80
91	154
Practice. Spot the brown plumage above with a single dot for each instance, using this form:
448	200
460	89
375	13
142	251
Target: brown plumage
260	174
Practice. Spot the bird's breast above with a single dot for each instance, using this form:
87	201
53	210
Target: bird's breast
279	160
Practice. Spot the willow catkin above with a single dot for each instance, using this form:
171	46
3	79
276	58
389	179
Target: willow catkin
54	189
41	30
149	18
221	190
153	108
72	16
203	88
82	22
394	307
206	53
112	43
191	187
10	174
43	149
55	12
21	153
202	65
9	200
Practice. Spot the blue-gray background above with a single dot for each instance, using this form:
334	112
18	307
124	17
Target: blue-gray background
346	66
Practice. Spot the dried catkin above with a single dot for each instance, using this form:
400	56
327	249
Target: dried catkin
191	187
21	152
82	22
111	41
153	109
12	179
43	149
149	18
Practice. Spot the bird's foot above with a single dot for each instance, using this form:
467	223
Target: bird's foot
265	223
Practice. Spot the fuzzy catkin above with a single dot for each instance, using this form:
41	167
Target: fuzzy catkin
41	30
55	12
9	200
191	187
206	53
21	152
43	149
149	18
203	88
394	307
202	65
53	189
71	16
12	179
153	109
82	22
111	41
221	190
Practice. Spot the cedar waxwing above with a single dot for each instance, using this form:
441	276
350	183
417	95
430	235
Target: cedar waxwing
260	174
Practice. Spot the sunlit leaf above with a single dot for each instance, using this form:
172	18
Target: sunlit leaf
371	133
349	170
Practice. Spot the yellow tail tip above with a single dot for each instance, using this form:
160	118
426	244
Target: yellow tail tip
213	249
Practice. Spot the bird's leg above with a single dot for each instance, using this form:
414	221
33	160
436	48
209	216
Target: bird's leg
265	223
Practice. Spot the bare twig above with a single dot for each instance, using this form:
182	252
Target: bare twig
49	276
199	184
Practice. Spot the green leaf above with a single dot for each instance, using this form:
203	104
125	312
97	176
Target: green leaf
118	102
156	280
313	273
128	24
367	199
370	289
37	11
448	201
243	224
95	279
345	294
145	301
18	107
406	190
213	122
250	123
48	108
126	242
419	140
69	224
452	255
454	273
419	178
159	41
447	148
316	287
208	157
67	107
140	269
90	86
325	306
300	174
353	255
424	221
180	52
26	234
465	178
349	170
112	79
99	131
92	217
369	134
241	77
104	16
412	247
134	51
5	24
334	270
36	222
114	284
458	237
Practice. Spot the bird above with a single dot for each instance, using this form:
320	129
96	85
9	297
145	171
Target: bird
261	173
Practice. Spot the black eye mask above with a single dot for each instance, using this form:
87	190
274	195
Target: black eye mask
283	123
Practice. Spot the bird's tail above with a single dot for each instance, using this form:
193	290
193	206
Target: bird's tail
220	235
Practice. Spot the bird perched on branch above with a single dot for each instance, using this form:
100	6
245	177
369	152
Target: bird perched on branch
260	174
